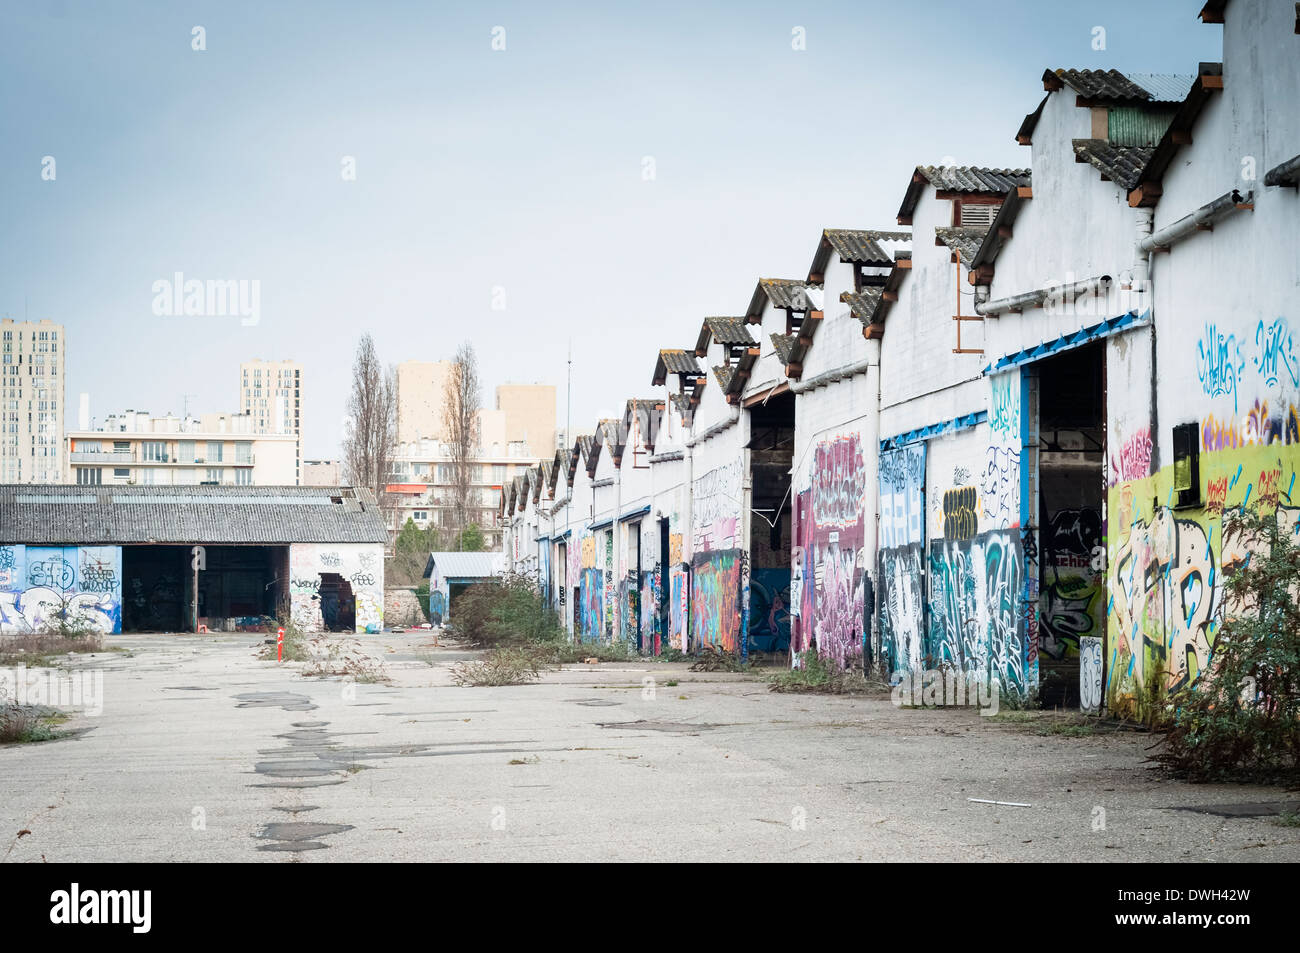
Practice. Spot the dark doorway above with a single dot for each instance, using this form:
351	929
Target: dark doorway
666	572
771	446
239	587
1072	474
338	604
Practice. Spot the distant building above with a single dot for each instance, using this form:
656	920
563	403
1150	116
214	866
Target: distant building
31	401
270	393
215	449
125	561
515	434
420	388
321	472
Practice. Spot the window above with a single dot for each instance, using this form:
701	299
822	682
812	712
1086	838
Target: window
243	477
185	451
92	476
121	473
154	451
244	451
214	451
214	475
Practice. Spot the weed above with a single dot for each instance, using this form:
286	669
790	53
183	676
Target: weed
714	659
38	648
24	724
815	675
505	665
329	656
1288	819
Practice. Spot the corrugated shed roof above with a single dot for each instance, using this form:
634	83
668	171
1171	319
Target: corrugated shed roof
784	344
952	178
682	403
862	304
111	515
724	372
675	361
1110	85
465	565
725	331
863	245
1119	164
963	239
782	293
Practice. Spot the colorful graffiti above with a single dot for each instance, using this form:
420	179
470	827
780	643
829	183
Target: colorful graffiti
355	563
976	625
591	605
769	610
1090	673
715	605
43	586
902	608
678	612
1167	567
839	483
1004	407
717	501
902	496
1070	606
1258	427
1000	492
960	514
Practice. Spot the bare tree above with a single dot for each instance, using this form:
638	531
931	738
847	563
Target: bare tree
460	406
372	421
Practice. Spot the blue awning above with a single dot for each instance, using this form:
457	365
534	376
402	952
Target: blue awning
1066	342
965	422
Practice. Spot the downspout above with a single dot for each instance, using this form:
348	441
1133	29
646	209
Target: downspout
617	633
1033	299
1203	218
746	526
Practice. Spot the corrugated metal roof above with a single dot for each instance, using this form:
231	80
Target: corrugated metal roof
959	179
1120	164
862	304
678	361
465	565
963	239
1163	87
785	293
729	330
862	245
109	515
784	344
723	372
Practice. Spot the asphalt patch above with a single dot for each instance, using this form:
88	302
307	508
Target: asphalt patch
1245	809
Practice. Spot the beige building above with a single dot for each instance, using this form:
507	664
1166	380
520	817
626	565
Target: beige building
322	473
529	416
215	449
270	393
31	401
420	387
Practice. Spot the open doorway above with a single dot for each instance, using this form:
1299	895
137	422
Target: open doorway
240	588
1072	480
771	446
338	604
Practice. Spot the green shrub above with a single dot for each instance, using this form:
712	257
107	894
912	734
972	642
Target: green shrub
505	612
503	665
1240	720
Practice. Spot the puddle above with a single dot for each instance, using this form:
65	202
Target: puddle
593	702
301	809
1247	809
289	701
187	688
671	727
297	836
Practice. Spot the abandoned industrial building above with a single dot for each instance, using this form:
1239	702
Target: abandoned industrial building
172	558
998	435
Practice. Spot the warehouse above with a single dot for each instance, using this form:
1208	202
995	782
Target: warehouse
152	558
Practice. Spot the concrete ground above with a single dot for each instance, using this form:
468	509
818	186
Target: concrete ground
205	753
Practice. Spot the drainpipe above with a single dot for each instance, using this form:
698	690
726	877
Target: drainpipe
746	528
1203	218
1034	299
618	552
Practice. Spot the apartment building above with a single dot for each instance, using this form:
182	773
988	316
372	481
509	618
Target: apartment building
213	450
31	401
270	393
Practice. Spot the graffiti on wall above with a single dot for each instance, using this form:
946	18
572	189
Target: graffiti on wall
313	608
902	491
839	483
678	611
716	580
769	610
591	605
1275	357
1090	673
43	586
900	586
1219	364
976	622
1004	407
1070	606
960	514
1133	461
1258	427
717	500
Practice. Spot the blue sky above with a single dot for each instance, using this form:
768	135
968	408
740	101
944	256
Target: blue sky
476	170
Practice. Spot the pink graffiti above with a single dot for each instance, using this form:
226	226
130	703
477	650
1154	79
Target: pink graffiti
1134	459
839	482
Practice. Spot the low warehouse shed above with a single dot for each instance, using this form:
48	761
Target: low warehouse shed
123	558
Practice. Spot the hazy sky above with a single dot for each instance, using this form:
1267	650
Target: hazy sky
476	169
